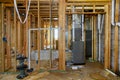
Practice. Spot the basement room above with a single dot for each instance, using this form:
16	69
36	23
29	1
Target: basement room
60	39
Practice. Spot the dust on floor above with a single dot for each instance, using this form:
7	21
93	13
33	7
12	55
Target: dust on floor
90	71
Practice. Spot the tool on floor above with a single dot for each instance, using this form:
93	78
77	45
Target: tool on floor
21	67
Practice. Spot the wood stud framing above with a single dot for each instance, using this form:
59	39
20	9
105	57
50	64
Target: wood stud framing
94	37
116	42
107	38
38	36
61	42
15	39
8	36
2	66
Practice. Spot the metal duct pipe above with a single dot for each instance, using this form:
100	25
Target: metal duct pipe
66	33
113	13
82	27
100	28
73	24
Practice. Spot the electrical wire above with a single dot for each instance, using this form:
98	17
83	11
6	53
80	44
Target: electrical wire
26	16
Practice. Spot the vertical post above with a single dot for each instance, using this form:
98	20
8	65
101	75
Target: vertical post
15	36
19	36
38	35
8	35
93	56
25	45
116	42
50	33
94	38
42	36
116	49
2	65
61	43
107	38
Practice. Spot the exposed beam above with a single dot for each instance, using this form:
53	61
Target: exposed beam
5	1
87	3
87	13
40	0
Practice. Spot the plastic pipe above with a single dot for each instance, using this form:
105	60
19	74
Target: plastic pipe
99	20
113	13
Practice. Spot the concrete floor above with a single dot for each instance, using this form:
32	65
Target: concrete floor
90	71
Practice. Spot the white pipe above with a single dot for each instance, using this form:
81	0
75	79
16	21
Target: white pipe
99	20
99	47
82	27
29	41
26	16
110	72
73	24
118	24
102	24
42	28
113	13
29	61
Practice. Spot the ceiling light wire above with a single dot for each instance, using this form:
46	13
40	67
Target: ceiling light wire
18	13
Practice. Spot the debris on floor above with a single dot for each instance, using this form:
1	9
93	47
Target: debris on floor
90	71
76	67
